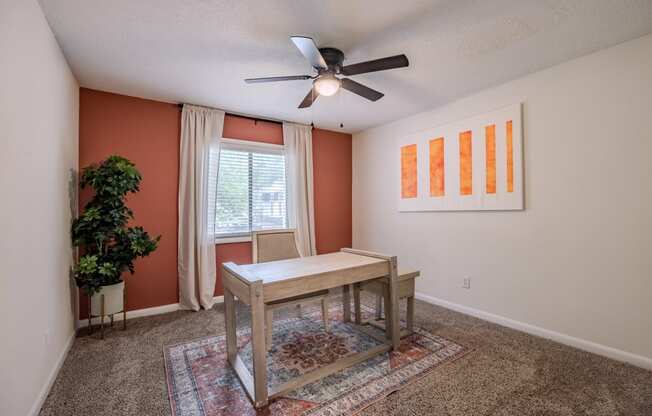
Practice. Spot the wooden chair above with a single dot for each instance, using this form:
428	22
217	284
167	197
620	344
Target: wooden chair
380	287
273	245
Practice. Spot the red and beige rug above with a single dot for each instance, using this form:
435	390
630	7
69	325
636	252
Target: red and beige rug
200	382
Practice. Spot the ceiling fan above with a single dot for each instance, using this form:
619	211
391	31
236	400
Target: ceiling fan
328	62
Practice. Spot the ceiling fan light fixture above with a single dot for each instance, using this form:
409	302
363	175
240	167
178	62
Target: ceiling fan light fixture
327	85
328	62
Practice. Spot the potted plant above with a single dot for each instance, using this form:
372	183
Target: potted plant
108	246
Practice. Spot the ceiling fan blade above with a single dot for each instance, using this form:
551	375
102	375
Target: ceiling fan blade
310	98
382	64
274	79
361	90
309	49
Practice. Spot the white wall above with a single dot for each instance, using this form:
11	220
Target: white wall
578	260
39	108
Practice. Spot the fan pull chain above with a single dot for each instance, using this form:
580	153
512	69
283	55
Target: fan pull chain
312	106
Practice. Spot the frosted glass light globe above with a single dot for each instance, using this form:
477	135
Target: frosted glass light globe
327	85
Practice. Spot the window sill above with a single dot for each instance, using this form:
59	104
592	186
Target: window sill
228	240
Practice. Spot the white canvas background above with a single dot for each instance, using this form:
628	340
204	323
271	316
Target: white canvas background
479	199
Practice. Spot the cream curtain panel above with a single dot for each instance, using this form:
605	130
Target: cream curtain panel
298	169
201	130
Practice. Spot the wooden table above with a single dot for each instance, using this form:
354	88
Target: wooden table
257	284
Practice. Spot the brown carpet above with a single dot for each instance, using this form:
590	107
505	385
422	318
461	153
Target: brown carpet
509	373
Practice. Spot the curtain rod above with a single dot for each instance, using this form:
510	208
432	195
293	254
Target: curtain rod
255	119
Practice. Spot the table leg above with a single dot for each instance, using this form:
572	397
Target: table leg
410	314
346	303
269	323
258	345
230	325
388	312
391	314
356	303
379	307
324	313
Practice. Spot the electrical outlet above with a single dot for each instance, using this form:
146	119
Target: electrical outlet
466	284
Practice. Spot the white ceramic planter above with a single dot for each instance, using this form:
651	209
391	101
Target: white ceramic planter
113	299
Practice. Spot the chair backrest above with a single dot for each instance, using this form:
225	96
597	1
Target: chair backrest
272	245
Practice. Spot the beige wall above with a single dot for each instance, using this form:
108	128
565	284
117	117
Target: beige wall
578	260
39	100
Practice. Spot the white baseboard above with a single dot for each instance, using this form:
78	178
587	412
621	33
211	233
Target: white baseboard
156	310
138	313
43	394
582	344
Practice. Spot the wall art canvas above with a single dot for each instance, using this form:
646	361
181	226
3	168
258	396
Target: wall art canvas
472	164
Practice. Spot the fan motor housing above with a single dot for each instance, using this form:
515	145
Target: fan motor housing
334	58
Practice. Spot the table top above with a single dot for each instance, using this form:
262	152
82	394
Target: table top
282	270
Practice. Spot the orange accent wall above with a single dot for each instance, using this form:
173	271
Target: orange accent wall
332	165
437	167
490	158
243	128
466	163
409	171
147	132
239	253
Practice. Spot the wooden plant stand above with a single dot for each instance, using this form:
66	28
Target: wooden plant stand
102	315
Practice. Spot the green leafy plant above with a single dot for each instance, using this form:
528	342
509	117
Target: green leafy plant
108	245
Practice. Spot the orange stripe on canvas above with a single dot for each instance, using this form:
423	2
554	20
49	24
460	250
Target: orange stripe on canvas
510	157
466	163
490	158
409	171
437	167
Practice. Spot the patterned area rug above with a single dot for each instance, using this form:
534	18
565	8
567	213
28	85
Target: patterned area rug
201	383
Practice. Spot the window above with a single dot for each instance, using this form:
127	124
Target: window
249	189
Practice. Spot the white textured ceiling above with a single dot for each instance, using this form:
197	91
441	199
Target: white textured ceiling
199	51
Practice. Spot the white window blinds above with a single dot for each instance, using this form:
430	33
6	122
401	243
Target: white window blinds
250	191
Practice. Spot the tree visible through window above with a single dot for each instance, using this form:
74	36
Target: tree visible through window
250	193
